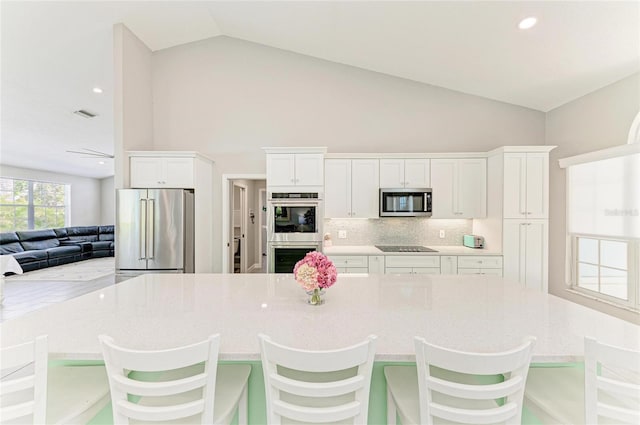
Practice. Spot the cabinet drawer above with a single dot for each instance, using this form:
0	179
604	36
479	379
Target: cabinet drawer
343	261
412	261
398	270
480	262
357	270
426	270
412	270
495	272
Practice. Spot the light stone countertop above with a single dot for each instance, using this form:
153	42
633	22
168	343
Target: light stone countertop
372	250
475	313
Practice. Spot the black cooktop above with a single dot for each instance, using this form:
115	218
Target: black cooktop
405	248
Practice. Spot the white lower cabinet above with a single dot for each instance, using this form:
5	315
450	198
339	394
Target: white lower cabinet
526	251
358	263
412	264
480	264
376	264
419	264
350	263
495	272
448	264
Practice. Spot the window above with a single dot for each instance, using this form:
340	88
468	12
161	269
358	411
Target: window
27	204
603	222
602	266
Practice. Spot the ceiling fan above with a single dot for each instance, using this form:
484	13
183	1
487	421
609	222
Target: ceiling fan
90	153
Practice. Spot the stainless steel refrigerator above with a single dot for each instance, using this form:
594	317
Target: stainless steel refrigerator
154	231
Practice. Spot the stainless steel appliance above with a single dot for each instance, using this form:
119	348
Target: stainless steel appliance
295	217
294	228
405	202
404	248
154	231
283	256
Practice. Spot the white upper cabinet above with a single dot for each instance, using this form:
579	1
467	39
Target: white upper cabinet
404	173
526	185
337	188
161	172
459	188
351	188
295	169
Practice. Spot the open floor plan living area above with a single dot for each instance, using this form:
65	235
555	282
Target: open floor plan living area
320	212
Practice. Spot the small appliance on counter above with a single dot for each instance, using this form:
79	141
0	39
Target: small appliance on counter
473	241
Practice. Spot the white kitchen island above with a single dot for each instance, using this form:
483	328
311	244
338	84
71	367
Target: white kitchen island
476	313
482	313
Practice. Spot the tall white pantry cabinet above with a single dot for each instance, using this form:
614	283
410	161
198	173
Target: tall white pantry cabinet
519	205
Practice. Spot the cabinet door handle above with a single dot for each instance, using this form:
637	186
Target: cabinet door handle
528	212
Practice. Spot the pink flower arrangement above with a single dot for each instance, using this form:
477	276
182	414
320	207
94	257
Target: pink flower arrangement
315	271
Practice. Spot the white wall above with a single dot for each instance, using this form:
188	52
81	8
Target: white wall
227	98
108	201
133	98
86	193
596	121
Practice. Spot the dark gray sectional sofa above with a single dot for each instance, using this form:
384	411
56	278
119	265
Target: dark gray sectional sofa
36	249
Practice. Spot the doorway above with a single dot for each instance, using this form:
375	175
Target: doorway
242	221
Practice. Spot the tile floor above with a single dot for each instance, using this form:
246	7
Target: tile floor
23	296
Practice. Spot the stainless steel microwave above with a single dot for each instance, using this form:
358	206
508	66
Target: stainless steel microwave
405	202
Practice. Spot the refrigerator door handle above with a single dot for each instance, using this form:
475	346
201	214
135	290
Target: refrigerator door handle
150	227
142	246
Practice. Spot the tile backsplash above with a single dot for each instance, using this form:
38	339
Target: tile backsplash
398	231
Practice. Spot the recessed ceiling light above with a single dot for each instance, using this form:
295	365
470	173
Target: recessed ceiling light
527	23
97	90
101	162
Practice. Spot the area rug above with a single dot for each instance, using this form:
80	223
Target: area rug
80	271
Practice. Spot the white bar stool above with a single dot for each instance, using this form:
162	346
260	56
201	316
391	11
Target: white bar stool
454	386
30	392
317	386
183	385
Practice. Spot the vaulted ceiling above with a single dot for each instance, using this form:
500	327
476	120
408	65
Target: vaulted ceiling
54	53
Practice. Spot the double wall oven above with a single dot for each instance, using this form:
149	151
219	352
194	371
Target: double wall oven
294	228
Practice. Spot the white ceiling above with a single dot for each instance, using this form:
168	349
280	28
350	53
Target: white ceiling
53	53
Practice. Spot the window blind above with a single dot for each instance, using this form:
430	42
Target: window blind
604	197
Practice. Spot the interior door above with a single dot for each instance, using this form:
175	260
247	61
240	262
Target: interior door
239	225
165	229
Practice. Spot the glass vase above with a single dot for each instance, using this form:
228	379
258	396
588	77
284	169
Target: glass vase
315	297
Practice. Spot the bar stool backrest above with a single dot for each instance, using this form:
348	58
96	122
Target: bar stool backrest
317	386
159	382
470	403
23	389
612	383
